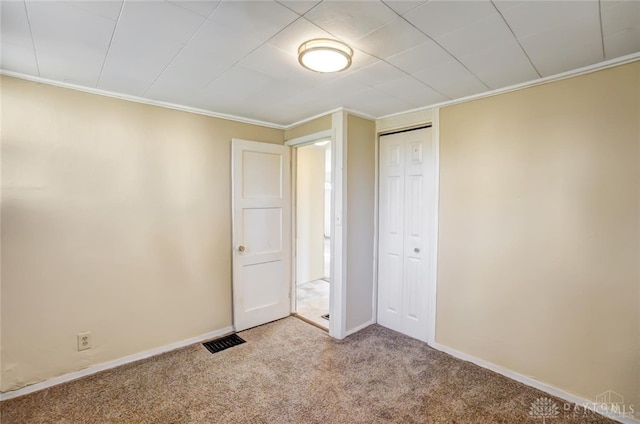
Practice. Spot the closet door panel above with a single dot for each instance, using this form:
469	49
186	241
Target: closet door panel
391	233
406	196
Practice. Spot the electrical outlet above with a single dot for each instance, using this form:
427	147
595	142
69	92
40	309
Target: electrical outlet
84	341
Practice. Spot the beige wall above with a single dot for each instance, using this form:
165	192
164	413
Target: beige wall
539	234
322	123
360	220
115	220
310	213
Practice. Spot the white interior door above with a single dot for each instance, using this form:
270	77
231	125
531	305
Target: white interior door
407	196
261	233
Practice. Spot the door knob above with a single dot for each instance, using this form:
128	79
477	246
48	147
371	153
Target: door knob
417	250
241	248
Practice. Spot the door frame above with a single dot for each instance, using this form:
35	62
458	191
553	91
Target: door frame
393	124
337	297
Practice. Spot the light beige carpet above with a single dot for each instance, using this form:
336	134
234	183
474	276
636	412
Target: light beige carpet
291	372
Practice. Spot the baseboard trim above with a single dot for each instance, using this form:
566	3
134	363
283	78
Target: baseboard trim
113	364
532	382
358	328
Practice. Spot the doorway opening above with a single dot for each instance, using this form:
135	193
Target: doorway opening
313	232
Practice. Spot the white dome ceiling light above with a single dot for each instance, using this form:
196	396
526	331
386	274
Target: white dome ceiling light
325	55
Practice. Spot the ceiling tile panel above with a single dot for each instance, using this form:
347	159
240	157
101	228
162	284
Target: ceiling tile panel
290	38
390	39
237	83
350	20
359	60
271	61
133	71
439	17
412	91
219	44
376	73
275	92
403	6
193	69
17	53
18	59
162	21
420	57
621	27
376	103
106	9
313	103
55	66
70	43
501	66
479	35
571	46
328	95
15	25
307	79
619	16
148	37
256	19
532	17
506	4
451	79
341	88
622	43
202	8
299	6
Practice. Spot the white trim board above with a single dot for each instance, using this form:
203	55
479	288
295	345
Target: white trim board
338	277
433	280
337	299
310	138
113	364
531	382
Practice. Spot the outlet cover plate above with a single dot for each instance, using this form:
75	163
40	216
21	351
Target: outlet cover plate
84	341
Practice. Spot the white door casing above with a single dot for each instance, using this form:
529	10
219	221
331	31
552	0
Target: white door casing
261	214
406	203
337	297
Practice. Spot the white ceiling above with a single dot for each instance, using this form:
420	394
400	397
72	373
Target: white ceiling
240	57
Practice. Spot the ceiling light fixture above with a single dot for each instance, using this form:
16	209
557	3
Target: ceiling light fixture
325	55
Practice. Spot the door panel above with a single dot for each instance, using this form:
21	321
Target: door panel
261	233
262	230
407	163
264	179
391	258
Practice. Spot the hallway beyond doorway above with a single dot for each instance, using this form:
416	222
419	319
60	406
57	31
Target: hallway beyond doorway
313	301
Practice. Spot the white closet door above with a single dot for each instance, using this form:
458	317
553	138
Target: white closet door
407	163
